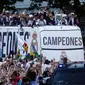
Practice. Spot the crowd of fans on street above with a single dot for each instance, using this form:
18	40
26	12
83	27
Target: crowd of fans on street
41	18
34	70
31	71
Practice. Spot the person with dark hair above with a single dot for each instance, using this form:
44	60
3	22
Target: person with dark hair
31	77
47	62
15	77
1	63
51	19
0	59
15	20
64	58
25	81
41	21
73	20
41	80
35	19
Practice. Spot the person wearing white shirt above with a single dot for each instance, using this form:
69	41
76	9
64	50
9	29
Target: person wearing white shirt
28	64
73	20
30	21
41	21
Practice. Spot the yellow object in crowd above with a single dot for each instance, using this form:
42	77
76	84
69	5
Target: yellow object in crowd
32	54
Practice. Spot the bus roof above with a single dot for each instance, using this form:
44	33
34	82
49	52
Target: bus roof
59	28
46	27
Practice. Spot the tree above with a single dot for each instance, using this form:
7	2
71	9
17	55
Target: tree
35	4
62	3
74	4
8	4
79	9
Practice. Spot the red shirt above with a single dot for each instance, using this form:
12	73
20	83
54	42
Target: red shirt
16	80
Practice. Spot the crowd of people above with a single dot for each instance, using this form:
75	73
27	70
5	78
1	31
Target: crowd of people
35	70
46	17
30	71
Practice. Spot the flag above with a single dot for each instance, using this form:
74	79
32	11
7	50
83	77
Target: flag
34	50
33	47
25	47
27	56
22	45
32	54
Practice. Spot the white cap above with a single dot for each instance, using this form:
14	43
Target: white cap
72	13
7	11
30	15
24	12
64	15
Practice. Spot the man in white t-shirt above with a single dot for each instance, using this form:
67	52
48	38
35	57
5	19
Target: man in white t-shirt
30	21
28	64
41	21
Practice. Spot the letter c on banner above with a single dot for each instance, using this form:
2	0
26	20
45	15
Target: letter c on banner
44	40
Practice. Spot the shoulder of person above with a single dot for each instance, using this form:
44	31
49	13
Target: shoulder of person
38	20
44	20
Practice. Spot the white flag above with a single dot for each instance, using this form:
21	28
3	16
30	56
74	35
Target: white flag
20	44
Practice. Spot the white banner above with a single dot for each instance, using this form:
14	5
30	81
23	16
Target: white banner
50	41
10	39
61	39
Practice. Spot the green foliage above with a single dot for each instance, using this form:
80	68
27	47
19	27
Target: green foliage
35	4
75	4
63	3
8	4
